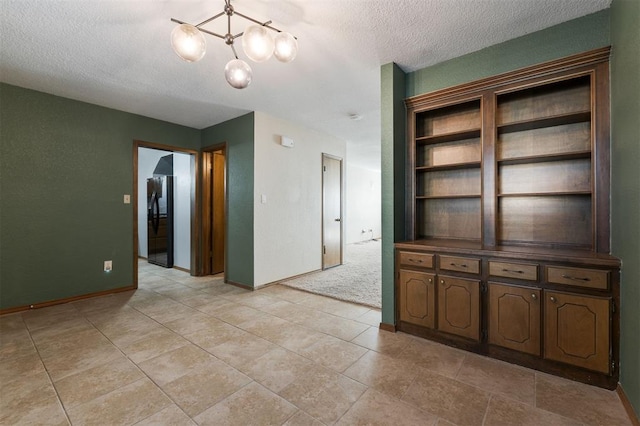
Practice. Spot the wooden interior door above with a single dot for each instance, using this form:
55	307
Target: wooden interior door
331	211
577	330
417	303
514	317
214	211
459	306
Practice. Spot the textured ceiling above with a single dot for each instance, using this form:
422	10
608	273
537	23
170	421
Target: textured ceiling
116	53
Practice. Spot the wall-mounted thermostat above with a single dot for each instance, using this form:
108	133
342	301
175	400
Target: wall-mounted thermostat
285	141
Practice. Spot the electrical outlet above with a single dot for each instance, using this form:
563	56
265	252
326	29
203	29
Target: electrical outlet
127	199
108	265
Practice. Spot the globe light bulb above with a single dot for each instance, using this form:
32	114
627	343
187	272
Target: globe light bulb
238	73
188	42
257	43
286	47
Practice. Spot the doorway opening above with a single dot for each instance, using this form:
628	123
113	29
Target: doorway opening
331	211
214	209
164	206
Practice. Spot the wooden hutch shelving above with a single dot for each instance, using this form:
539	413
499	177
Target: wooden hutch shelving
507	250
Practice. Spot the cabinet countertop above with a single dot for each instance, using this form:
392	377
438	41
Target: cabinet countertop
512	252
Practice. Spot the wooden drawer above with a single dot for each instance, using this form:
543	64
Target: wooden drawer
422	260
460	264
521	271
579	277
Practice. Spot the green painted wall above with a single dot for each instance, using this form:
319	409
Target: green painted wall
64	168
625	175
393	121
575	36
239	136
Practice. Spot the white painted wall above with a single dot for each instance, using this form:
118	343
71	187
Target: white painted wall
182	210
147	161
364	204
288	227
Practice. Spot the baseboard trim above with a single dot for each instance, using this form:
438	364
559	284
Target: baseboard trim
242	286
388	327
65	300
633	416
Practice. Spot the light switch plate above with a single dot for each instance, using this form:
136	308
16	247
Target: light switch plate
127	198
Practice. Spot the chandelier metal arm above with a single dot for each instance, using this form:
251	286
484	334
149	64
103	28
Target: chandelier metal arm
177	21
234	50
206	21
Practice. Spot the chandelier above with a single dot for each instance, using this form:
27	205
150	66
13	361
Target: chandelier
189	43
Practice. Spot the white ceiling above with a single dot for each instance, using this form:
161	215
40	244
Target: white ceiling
116	53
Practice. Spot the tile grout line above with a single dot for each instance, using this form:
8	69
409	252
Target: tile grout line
53	385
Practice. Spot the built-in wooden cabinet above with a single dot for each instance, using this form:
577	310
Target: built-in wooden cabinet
459	306
416	296
578	330
507	224
514	317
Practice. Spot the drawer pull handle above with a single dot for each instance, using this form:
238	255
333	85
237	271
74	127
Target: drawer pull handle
515	271
553	299
415	260
569	277
462	265
534	296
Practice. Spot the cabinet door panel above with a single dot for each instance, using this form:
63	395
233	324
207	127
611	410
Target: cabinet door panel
514	317
459	306
417	303
577	330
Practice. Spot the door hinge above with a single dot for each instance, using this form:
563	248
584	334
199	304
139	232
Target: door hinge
483	287
613	307
484	335
324	249
613	366
324	168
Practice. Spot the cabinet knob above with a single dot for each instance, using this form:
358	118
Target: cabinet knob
534	296
441	281
553	299
430	280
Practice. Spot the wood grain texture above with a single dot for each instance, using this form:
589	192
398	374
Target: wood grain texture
577	330
417	298
459	306
514	317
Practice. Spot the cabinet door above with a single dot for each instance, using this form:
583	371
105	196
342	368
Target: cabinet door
417	303
514	317
459	306
577	330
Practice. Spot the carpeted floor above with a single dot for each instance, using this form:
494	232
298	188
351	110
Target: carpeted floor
357	280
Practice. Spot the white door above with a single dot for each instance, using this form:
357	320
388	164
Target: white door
331	211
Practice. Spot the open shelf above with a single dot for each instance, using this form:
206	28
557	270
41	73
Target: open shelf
452	166
446	197
544	158
448	137
543	194
537	123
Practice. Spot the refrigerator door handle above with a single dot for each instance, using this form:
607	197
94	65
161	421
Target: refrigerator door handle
155	212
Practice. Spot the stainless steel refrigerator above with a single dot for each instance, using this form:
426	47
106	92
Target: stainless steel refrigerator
160	220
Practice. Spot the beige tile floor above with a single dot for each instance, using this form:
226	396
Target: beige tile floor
184	350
